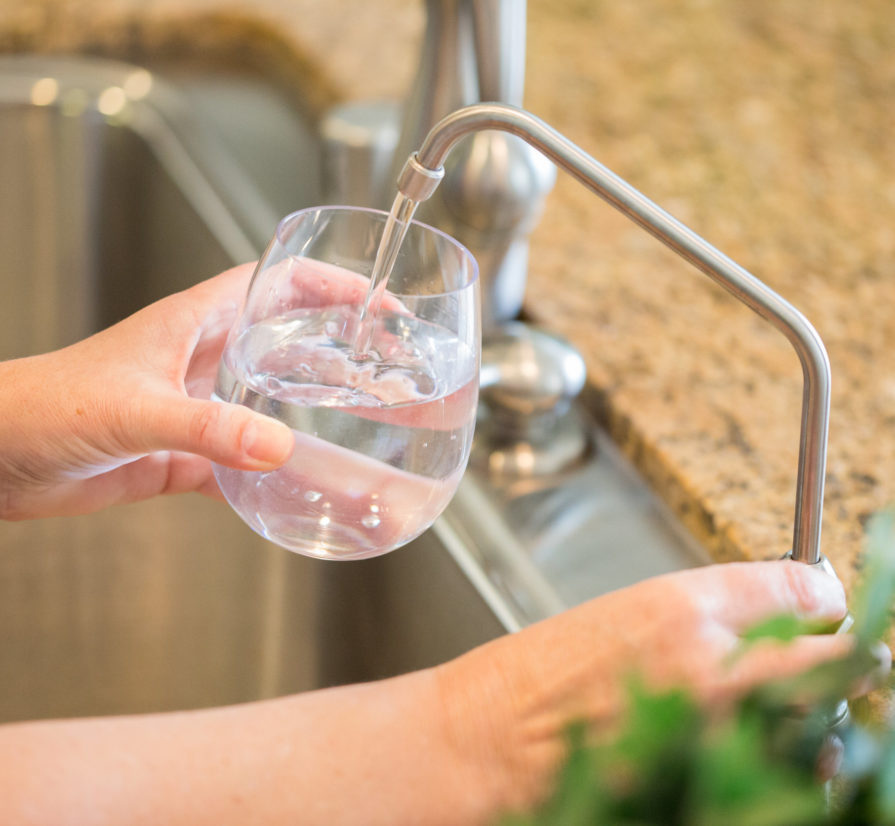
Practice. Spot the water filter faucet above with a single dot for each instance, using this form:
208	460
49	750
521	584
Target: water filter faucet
422	173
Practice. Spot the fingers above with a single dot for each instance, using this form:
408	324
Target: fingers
209	307
155	474
227	287
772	661
742	594
308	283
878	676
228	434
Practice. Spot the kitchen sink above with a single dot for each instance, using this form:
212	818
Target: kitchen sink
110	201
121	186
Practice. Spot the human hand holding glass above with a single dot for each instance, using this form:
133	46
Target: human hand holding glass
382	437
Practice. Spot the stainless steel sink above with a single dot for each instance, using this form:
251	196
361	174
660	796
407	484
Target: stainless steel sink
172	603
117	189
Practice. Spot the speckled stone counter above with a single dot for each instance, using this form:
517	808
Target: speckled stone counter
766	127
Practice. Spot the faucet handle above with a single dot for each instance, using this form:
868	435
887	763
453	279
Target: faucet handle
499	41
528	426
530	371
358	140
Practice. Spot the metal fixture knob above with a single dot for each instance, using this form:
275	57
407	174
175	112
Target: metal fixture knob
527	425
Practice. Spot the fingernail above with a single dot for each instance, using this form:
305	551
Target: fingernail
829	595
883	655
268	442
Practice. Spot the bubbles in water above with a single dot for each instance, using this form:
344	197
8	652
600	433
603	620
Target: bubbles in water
271	384
371	521
313	496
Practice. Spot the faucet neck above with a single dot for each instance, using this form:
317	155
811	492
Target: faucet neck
737	281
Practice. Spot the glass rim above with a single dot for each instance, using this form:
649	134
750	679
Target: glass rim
383	214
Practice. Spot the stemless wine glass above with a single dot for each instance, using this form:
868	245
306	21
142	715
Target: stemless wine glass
383	433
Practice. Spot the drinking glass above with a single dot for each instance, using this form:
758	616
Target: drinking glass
383	433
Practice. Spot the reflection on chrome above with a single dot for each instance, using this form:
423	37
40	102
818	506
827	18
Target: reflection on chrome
138	84
111	101
44	91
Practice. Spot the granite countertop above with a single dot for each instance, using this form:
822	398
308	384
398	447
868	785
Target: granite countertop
765	127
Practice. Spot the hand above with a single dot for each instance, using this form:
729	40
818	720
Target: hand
460	743
679	630
124	415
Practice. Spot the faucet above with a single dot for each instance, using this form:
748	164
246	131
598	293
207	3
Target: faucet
423	172
495	185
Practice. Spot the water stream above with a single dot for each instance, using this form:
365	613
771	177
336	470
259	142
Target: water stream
396	225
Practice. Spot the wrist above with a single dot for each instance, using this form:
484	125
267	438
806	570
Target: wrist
504	736
21	469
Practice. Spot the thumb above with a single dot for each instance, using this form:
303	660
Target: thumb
228	434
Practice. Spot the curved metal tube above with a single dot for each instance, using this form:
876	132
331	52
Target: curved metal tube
421	175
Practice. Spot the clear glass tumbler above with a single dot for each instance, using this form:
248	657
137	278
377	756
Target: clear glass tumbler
382	437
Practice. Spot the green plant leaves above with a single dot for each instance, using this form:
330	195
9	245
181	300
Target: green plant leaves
783	628
674	765
872	606
739	783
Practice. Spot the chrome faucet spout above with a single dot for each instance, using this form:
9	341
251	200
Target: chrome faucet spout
474	50
812	354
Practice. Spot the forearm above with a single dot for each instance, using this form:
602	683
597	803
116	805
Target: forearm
369	754
455	745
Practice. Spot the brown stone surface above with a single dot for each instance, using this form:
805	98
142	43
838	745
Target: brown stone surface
765	126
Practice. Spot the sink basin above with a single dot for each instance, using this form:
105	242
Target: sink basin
120	188
171	603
